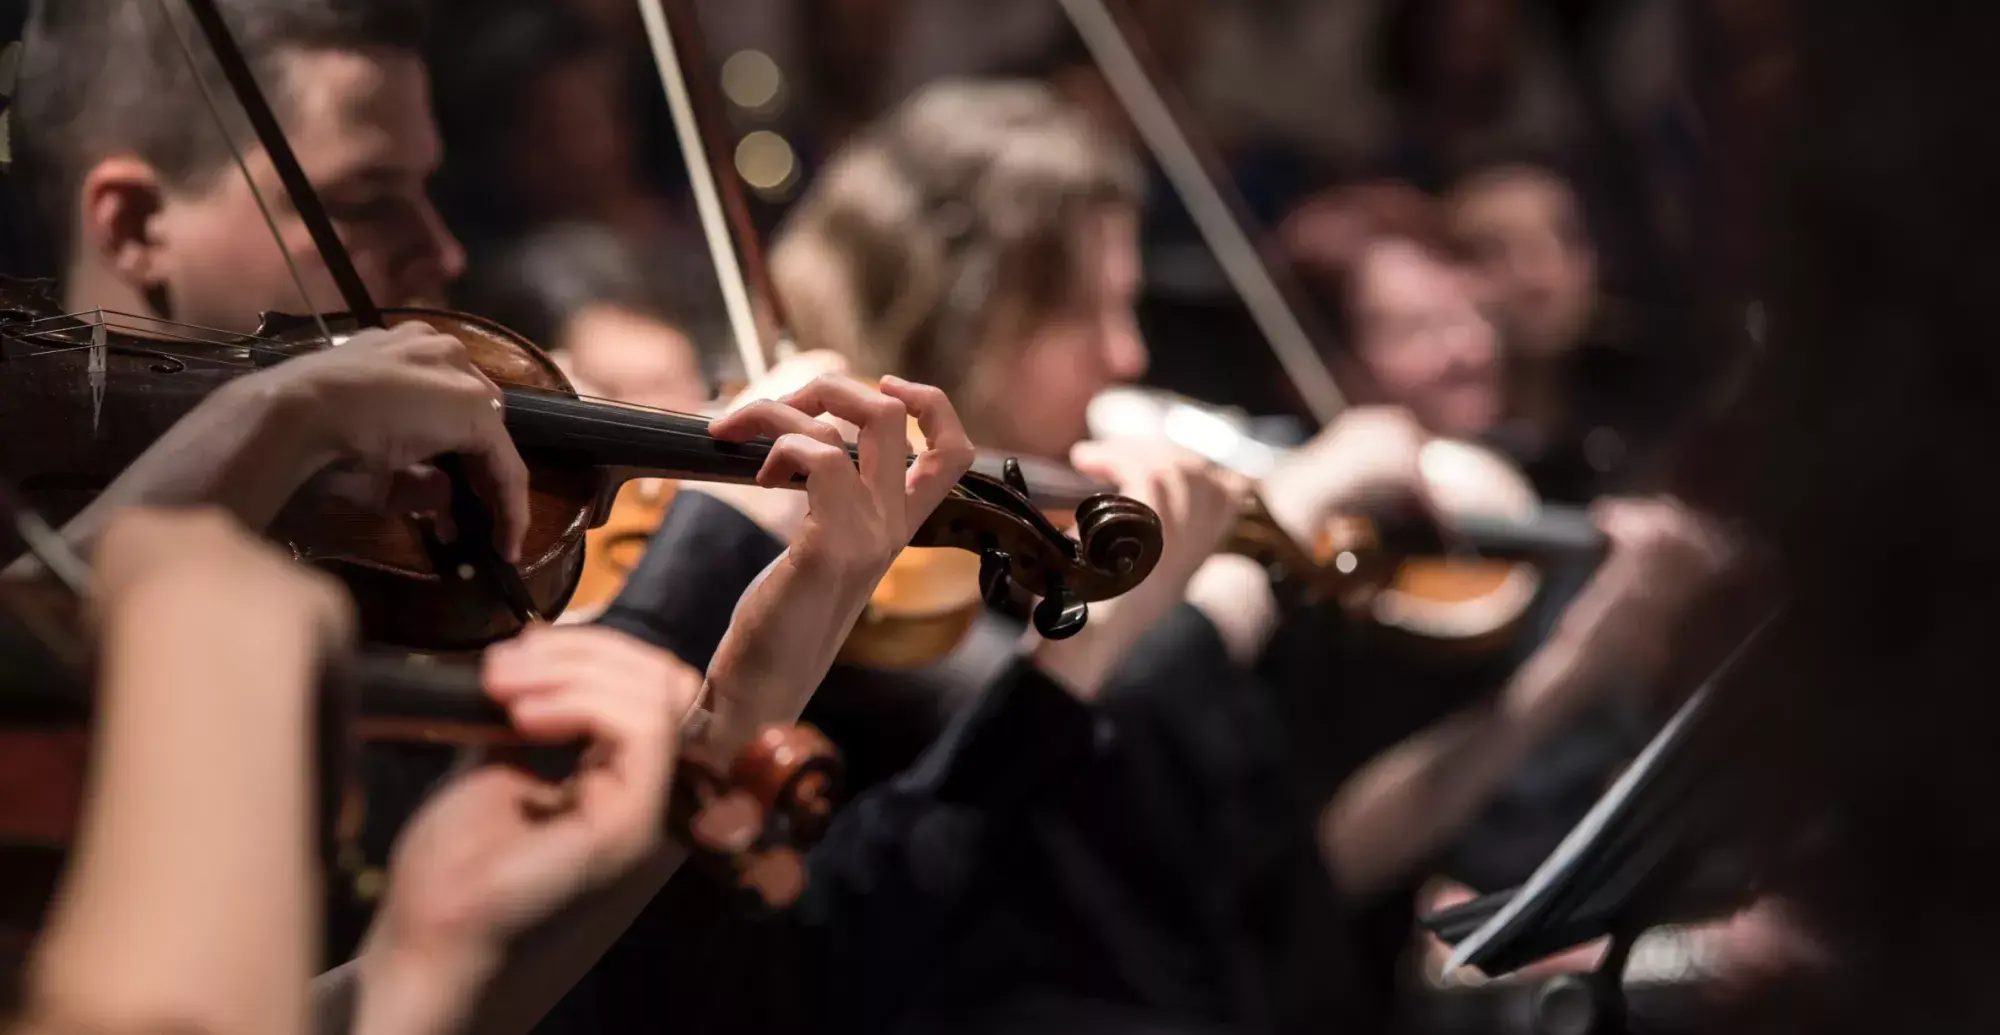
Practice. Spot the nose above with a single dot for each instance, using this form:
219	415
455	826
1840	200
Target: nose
1125	355
1472	342
439	259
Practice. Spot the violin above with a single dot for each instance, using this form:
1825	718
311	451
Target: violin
101	387
1463	578
751	817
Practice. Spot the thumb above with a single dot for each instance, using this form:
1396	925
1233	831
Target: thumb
1090	457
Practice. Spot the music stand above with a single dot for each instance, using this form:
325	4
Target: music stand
1630	864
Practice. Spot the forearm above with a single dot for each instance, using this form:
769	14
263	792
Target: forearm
188	842
1409	800
407	992
1234	593
247	449
785	634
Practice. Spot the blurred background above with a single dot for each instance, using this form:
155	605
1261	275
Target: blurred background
1594	156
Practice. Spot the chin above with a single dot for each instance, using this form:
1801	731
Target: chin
1468	418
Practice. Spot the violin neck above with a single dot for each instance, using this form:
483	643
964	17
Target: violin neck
640	442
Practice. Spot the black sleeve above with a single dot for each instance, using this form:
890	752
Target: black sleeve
697	565
1182	653
901	862
1020	745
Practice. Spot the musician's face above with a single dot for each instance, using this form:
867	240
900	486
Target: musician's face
1535	263
634	358
361	125
1420	332
1091	345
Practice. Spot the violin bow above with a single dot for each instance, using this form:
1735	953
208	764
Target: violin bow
1197	174
725	214
472	552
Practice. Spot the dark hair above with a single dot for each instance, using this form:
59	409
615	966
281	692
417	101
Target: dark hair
484	76
101	77
539	283
1875	418
1367	212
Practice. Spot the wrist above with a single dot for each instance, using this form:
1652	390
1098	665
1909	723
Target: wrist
407	991
289	416
1235	594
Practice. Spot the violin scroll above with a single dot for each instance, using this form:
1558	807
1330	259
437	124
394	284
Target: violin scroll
754	820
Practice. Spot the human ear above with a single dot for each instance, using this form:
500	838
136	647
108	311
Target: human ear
120	202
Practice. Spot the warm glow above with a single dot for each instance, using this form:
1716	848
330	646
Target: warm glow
752	80
766	162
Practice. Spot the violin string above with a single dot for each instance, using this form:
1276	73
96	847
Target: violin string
243	166
614	413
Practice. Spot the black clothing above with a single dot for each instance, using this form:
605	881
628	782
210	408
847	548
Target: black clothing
698	564
1139	865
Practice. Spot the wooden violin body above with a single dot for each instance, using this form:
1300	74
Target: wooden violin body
751	815
98	395
612	550
1421	591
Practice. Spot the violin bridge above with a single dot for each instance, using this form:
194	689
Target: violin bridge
98	372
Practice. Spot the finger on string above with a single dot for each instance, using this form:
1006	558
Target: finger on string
624	750
832	484
947	451
883	420
773	419
1097	460
552	657
585	710
521	673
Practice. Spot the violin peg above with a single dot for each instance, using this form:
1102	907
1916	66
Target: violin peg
729	823
996	580
1059	617
778	877
1010	472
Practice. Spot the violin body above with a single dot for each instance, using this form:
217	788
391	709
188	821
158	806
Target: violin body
612	550
98	396
401	597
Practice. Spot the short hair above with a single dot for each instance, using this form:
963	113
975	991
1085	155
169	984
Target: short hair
1364	213
539	283
106	77
946	225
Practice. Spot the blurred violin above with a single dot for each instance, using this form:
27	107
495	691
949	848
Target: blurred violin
752	816
1464	576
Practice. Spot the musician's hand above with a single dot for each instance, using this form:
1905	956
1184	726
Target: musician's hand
790	626
386	402
1367	459
196	823
193	564
1663	555
780	512
1198	504
858	517
498	850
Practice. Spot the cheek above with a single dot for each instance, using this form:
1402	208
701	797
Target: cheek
1401	373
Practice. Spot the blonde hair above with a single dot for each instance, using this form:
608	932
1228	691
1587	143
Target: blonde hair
949	224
